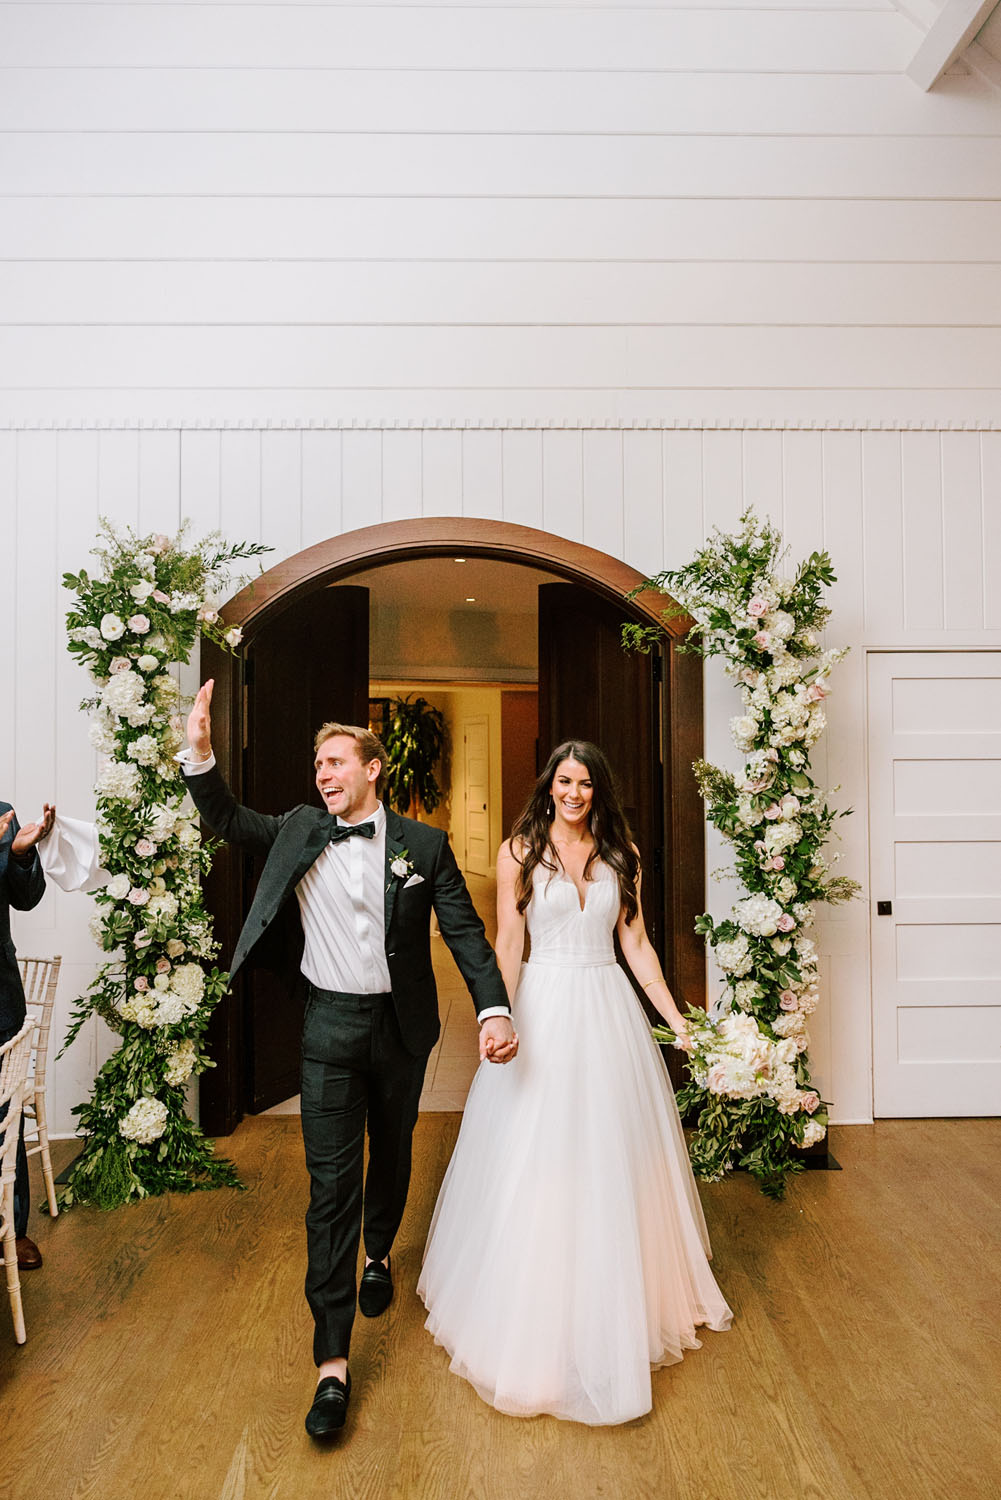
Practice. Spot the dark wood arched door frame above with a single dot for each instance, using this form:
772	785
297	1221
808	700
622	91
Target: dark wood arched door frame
335	560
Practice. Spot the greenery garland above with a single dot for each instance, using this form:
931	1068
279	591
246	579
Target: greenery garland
750	1081
151	599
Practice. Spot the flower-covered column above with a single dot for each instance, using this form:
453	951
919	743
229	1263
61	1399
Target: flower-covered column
134	620
750	1080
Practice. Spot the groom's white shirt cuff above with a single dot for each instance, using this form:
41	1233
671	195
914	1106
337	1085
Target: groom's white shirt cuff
197	767
194	767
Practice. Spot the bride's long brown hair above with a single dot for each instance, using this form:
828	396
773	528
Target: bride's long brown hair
531	842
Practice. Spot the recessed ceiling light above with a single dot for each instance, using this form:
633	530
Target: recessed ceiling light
458	559
470	599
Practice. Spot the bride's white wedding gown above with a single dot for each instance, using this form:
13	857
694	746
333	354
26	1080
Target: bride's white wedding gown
568	1251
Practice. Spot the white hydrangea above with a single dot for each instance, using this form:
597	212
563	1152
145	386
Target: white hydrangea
780	624
171	1009
123	692
813	1132
746	991
734	957
120	780
758	915
162	908
779	836
145	1122
145	750
162	822
89	635
180	1063
188	981
102	734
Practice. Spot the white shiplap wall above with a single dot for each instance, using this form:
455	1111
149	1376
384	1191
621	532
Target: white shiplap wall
911	519
550	211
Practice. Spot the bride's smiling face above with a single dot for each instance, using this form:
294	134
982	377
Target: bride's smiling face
572	792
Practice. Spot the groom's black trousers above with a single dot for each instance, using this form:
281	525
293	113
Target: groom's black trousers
355	1068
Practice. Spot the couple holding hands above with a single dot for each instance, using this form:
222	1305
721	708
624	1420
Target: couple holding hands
568	1251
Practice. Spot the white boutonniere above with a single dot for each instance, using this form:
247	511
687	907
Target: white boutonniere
401	867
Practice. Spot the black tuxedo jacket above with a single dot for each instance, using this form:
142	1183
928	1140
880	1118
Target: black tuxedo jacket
21	886
292	841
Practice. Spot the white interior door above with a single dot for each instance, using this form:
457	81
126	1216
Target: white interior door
476	754
935	855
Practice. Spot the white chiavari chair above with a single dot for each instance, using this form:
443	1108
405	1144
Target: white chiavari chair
15	1057
40	977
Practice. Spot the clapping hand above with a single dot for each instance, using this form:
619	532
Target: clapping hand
32	833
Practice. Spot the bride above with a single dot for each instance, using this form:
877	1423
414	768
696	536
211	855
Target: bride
568	1251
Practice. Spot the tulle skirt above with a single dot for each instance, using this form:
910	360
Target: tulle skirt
568	1251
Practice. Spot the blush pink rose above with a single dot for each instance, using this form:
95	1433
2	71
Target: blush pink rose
778	863
785	923
145	847
788	1000
773	812
762	640
810	1101
816	692
757	606
160	596
163	966
771	753
142	983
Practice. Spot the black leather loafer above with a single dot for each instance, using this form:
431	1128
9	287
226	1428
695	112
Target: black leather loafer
376	1290
330	1406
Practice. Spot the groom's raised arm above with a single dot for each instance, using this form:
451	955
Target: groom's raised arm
215	802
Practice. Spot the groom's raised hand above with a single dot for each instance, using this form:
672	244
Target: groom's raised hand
200	721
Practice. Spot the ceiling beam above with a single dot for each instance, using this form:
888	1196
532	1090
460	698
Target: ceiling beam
950	33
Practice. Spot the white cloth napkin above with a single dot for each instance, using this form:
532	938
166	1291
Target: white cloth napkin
71	856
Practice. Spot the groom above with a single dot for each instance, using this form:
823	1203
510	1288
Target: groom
366	880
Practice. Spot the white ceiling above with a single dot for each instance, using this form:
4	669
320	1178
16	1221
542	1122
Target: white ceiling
442	584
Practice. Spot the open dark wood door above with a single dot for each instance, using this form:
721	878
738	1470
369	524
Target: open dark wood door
307	666
590	688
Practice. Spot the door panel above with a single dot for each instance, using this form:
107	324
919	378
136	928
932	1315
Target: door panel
308	666
935	854
476	783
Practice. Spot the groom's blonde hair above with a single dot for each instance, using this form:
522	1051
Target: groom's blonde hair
368	745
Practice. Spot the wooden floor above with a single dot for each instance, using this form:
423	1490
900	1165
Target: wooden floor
168	1349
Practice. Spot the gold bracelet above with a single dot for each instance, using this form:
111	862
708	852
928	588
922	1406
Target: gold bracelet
649	982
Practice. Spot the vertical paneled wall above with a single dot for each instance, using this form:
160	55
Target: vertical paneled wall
912	520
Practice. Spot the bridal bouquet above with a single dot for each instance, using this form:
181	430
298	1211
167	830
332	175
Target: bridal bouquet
750	1081
133	619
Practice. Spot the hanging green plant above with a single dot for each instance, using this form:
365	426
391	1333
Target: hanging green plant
415	740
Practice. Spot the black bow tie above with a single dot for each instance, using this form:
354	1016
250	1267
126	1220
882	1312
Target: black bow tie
345	831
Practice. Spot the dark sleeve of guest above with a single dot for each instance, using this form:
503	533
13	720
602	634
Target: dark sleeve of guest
22	882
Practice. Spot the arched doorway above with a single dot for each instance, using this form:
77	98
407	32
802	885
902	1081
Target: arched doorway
679	835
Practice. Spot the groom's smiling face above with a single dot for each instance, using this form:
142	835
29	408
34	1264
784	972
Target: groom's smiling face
345	782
